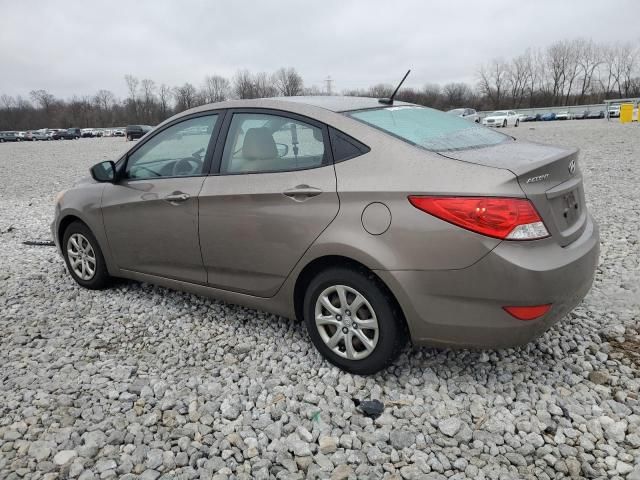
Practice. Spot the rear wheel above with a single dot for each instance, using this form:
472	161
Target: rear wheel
352	321
504	123
129	138
517	122
84	258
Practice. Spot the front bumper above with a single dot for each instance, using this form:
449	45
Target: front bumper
463	307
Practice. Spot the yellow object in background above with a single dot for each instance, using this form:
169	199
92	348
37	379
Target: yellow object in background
626	112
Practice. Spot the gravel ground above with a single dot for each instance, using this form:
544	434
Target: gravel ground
143	382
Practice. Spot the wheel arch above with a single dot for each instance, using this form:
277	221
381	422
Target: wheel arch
319	264
64	224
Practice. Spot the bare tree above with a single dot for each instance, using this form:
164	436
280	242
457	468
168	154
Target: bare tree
186	97
431	94
243	85
132	85
457	94
518	76
492	81
104	101
148	99
622	65
43	99
288	82
164	96
589	59
264	86
216	89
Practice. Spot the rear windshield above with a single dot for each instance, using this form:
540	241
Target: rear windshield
428	128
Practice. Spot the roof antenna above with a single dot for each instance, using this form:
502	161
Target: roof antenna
389	101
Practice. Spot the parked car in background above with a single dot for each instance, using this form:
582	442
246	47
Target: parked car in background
595	115
547	117
41	134
564	116
581	115
68	134
118	132
614	111
134	132
501	118
466	113
522	117
88	133
10	136
532	118
294	216
99	132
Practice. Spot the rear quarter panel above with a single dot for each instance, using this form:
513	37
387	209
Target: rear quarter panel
415	240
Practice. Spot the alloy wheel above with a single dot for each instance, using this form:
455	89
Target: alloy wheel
82	258
346	322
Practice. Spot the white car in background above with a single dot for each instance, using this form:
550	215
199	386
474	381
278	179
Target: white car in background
614	111
466	113
564	116
502	118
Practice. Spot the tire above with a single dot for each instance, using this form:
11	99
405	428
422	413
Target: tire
378	308
1	140
129	138
100	277
504	123
18	139
517	122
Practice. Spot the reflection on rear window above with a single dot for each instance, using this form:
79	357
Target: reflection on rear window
428	128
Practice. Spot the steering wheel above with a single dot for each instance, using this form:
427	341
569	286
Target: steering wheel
186	166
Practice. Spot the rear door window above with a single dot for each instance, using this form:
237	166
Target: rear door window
260	142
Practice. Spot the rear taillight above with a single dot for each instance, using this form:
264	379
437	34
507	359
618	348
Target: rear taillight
504	218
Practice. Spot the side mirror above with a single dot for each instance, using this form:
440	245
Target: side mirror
104	171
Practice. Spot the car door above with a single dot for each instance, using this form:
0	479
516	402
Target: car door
272	193
151	214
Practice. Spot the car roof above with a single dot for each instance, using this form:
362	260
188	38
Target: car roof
333	103
338	103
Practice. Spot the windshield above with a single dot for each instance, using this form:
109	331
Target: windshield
499	113
429	128
457	111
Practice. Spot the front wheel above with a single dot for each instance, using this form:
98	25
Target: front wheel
352	321
84	258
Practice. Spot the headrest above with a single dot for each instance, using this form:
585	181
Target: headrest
259	145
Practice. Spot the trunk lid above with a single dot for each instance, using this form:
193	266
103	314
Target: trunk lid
549	177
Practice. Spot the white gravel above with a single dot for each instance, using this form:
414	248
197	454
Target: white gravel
143	382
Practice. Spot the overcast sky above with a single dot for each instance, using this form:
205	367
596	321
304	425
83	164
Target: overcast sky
79	47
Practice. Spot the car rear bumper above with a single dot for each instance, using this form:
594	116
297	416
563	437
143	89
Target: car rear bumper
464	307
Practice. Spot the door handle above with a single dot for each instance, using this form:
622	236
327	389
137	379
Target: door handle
177	197
302	192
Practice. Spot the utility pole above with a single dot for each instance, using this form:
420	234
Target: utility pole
328	81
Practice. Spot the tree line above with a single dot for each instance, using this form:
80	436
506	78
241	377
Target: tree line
567	72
